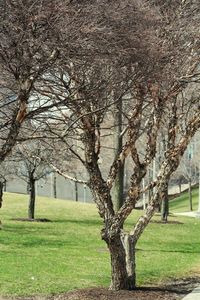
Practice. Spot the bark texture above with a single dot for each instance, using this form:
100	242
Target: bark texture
118	187
122	252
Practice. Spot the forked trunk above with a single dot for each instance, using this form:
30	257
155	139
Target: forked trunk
31	206
122	252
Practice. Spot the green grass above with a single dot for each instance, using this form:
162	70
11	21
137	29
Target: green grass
49	258
181	203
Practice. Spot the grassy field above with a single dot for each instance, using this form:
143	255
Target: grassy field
181	204
67	253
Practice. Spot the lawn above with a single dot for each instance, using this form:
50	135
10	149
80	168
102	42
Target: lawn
181	203
67	253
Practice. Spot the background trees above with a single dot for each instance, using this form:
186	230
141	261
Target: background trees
188	170
142	53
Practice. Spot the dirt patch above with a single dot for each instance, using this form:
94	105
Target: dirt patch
103	294
172	291
31	220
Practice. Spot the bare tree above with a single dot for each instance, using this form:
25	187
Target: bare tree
89	130
4	174
146	51
28	37
29	164
154	66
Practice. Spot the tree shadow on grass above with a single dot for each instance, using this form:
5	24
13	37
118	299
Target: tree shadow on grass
42	220
42	236
22	229
197	251
44	225
86	222
40	242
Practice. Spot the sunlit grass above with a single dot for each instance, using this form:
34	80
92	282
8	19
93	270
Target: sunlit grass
68	253
181	203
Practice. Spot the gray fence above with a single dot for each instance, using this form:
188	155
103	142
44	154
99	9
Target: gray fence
53	185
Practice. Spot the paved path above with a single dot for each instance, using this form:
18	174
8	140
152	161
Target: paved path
195	295
193	214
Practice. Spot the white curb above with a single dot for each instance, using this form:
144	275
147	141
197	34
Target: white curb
194	295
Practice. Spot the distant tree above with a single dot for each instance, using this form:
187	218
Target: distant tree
29	165
5	173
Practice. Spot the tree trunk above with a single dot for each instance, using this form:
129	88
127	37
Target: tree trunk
5	185
179	185
150	179
118	188
122	252
1	193
165	203
76	190
54	185
28	188
31	207
1	197
190	193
